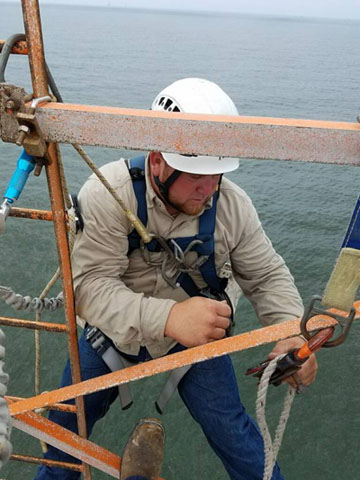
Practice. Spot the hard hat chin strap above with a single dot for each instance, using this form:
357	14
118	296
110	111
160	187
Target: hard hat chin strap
165	186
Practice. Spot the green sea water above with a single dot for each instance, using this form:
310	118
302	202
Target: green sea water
282	67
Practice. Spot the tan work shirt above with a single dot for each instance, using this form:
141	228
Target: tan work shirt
129	300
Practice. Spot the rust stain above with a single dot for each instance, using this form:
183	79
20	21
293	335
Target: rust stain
20	48
32	214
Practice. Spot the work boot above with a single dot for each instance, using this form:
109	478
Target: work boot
144	451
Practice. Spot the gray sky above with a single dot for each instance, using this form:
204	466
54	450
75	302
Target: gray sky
317	8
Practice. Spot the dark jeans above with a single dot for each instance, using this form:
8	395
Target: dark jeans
209	391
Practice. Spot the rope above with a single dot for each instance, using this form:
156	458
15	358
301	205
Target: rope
136	222
271	448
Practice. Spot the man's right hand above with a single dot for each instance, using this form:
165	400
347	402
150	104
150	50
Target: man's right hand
197	321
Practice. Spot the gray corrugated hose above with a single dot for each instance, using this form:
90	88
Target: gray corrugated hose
19	302
5	419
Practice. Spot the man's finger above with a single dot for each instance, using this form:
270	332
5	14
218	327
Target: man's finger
218	333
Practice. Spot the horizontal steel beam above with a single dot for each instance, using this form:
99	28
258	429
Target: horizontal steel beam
31	213
47	326
244	137
237	343
44	461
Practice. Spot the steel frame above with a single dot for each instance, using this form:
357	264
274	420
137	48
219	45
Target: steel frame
247	137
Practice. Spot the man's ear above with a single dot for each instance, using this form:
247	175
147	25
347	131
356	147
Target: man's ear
156	163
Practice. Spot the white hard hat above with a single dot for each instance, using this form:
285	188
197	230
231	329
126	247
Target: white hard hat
196	95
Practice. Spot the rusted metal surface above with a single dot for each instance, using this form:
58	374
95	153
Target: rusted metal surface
12	101
61	438
61	407
20	48
238	343
33	325
31	213
49	463
246	137
33	31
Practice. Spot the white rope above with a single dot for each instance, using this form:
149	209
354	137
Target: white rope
271	448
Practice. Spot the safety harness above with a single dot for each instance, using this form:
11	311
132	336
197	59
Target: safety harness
203	244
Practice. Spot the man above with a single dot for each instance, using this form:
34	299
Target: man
151	303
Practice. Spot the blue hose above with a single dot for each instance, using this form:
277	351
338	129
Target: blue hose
25	165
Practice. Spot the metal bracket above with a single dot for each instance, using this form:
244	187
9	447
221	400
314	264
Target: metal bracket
344	322
12	102
18	123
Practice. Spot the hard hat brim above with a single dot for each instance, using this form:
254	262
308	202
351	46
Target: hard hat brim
200	164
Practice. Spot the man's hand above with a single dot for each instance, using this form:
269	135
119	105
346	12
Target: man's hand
307	372
197	321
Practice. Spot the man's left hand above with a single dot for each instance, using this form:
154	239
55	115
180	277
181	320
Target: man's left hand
307	372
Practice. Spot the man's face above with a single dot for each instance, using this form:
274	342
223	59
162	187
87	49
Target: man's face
189	193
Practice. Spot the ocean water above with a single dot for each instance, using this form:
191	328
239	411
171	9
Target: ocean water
281	67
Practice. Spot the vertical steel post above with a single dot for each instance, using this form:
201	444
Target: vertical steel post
33	31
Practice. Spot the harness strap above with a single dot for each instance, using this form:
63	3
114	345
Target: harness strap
205	246
116	361
113	359
170	387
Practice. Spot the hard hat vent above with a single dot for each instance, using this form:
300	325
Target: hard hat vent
168	104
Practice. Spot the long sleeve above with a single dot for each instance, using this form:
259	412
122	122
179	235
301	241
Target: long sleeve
99	263
259	271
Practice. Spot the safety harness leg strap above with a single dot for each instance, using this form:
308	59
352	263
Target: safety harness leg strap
170	387
112	358
115	361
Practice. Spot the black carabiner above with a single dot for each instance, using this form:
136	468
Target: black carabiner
5	52
344	322
4	57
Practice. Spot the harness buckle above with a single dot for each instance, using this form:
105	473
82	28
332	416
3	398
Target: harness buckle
344	322
96	339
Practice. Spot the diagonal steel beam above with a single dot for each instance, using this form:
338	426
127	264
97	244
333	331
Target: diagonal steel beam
61	438
245	137
237	343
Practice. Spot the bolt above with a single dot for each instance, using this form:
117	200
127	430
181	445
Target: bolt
24	130
9	105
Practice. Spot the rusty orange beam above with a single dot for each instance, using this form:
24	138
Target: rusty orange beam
31	213
60	407
47	326
61	438
43	461
245	137
237	343
20	48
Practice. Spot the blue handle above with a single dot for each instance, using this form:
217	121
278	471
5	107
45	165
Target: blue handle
25	165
